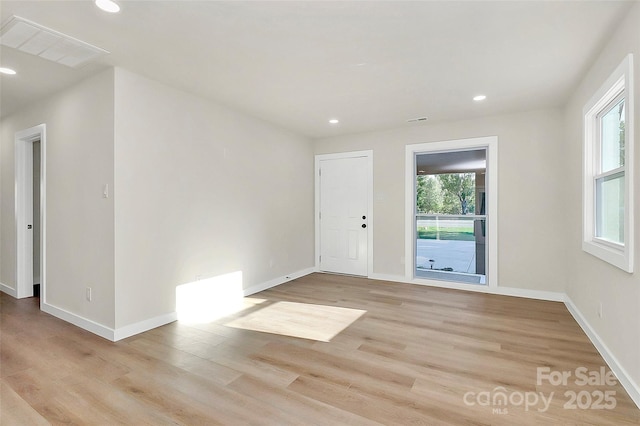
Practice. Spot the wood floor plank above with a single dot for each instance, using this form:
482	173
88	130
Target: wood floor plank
309	411
176	405
186	361
42	393
16	411
418	355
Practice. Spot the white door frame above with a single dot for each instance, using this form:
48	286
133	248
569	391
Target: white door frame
491	184
24	164
354	154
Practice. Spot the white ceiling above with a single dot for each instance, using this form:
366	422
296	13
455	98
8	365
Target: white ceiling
372	64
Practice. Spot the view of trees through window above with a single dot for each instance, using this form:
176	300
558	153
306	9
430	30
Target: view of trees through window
451	193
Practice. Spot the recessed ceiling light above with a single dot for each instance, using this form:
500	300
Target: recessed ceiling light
334	121
7	71
108	6
479	98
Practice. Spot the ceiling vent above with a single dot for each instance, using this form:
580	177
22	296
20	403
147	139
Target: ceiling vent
46	43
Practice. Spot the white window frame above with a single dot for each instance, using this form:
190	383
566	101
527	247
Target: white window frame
490	143
618	85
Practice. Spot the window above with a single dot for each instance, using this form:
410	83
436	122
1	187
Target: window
450	216
608	170
451	213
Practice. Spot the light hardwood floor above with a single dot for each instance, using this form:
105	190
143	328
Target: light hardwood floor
414	357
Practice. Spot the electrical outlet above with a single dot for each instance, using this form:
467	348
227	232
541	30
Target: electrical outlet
88	294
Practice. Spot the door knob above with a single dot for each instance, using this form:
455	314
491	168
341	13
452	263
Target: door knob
364	225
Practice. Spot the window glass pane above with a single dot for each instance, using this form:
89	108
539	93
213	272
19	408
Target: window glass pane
612	134
451	248
450	193
610	208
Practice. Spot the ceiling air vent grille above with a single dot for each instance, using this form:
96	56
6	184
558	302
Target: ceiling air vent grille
29	37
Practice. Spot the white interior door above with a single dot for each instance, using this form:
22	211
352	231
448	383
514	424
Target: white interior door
344	215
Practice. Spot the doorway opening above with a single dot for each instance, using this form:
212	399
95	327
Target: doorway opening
451	213
30	202
36	146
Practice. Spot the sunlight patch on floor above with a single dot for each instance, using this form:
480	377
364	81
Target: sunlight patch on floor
303	320
207	300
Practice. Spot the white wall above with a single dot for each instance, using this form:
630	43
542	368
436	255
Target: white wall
592	280
203	191
531	239
196	190
79	157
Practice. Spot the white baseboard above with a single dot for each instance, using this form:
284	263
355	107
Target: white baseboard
10	291
151	323
148	324
77	320
107	332
503	291
392	278
142	326
551	296
277	281
632	388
